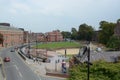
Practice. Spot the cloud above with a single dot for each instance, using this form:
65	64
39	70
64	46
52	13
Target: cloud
72	8
56	13
13	11
19	8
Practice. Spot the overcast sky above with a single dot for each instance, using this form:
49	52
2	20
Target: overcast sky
48	15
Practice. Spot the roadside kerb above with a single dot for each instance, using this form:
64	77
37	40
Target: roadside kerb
2	70
23	56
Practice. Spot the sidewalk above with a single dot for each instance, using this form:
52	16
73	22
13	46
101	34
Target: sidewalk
51	69
38	68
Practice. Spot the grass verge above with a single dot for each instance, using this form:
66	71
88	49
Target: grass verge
58	45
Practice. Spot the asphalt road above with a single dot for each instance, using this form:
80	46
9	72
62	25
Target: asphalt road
16	69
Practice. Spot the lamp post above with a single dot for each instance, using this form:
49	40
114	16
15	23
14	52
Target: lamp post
29	44
88	64
36	45
65	53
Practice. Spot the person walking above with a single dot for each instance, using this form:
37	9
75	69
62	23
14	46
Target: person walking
63	66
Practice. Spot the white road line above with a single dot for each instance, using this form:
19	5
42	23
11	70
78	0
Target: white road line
16	67
20	74
18	71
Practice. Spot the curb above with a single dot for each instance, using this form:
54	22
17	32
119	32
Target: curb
58	75
19	52
2	69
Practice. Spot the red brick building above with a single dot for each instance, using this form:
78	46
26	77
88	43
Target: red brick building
11	35
54	36
40	37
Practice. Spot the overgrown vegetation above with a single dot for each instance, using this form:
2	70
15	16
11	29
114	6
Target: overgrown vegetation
58	45
100	70
107	36
104	35
114	43
107	30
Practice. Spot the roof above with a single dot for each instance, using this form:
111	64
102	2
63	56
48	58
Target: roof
10	28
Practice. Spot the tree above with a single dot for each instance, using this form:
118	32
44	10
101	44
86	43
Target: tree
66	34
1	39
114	43
106	31
74	34
118	20
85	32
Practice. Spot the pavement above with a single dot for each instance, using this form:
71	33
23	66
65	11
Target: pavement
51	68
1	73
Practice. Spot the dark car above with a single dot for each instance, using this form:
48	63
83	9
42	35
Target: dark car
12	50
7	59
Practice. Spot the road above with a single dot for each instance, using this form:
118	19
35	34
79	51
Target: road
17	69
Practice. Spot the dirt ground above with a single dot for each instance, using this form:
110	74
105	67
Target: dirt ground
76	50
68	51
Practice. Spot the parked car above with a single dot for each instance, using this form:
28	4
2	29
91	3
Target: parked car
7	59
12	50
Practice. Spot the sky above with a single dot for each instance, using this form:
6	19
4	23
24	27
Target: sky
48	15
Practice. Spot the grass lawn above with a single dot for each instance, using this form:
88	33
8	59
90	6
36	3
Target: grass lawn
58	45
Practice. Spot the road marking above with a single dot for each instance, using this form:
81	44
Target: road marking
20	74
18	71
16	67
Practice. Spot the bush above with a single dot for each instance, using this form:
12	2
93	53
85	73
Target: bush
114	43
98	71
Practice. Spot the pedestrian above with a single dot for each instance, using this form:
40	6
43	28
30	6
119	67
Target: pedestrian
63	66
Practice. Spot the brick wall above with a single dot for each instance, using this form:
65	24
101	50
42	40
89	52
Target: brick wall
54	36
12	37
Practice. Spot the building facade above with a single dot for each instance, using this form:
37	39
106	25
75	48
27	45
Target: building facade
11	35
40	37
54	36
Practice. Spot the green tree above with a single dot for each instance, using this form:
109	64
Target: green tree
114	43
66	34
74	34
85	32
106	31
118	20
1	39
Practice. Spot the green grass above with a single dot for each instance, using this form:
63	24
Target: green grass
58	45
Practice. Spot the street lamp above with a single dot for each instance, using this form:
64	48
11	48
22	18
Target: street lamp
36	45
88	64
29	45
